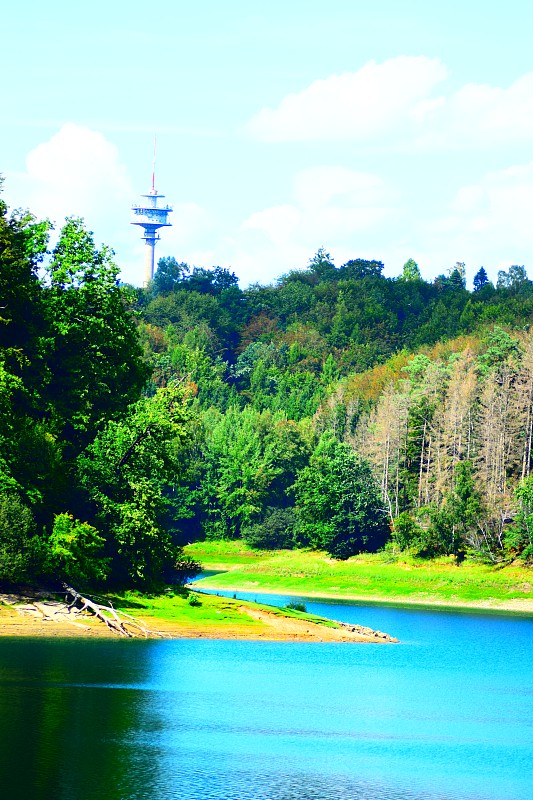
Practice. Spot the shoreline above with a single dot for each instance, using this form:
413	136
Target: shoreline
258	624
489	605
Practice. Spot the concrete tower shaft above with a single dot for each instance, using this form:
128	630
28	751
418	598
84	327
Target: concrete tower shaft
150	216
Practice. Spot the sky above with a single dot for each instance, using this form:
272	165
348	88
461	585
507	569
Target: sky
391	130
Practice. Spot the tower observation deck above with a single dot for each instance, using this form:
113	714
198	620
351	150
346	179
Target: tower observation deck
150	216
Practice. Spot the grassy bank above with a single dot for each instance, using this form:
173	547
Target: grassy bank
208	611
173	615
377	577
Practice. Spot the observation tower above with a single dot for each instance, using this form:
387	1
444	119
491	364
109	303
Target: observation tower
151	216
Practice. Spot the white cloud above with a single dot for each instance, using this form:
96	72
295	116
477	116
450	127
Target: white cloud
190	222
76	172
356	214
331	204
480	116
356	105
500	207
278	222
256	257
350	212
318	187
393	104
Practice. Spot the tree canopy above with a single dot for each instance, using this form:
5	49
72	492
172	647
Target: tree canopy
337	409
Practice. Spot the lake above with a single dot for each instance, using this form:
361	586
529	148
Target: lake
447	714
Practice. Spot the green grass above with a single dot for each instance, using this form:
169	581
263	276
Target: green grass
213	611
380	576
175	608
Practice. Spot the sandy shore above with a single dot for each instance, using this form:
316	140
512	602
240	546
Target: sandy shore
45	619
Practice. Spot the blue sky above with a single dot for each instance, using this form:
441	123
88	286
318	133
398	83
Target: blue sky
388	130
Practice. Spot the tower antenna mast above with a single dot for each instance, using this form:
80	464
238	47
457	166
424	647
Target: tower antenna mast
150	216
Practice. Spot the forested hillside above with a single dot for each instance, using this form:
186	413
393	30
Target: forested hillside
342	409
337	409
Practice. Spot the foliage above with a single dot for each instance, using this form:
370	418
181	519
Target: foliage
480	279
274	532
168	274
411	271
419	394
75	551
519	538
74	432
95	358
183	569
251	459
337	502
515	279
22	552
295	605
194	601
407	533
452	523
124	472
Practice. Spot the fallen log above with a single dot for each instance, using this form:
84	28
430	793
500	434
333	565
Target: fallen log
117	621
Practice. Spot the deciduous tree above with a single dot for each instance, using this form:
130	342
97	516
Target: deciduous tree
337	502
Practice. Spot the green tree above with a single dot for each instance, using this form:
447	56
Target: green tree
23	243
407	533
519	536
213	281
125	471
358	268
457	278
515	279
411	271
168	274
499	347
251	459
274	532
454	524
95	360
329	371
337	502
22	551
321	264
29	454
75	551
480	279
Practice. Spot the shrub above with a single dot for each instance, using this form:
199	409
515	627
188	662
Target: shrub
194	600
275	532
296	605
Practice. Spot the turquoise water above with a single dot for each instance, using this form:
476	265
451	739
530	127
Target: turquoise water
445	715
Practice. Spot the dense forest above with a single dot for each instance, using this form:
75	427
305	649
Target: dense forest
348	411
337	409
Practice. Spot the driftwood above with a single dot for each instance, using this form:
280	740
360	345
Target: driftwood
118	621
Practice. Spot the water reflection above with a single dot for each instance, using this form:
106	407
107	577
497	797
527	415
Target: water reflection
63	732
441	717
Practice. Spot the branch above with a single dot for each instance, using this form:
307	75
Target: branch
140	437
109	616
